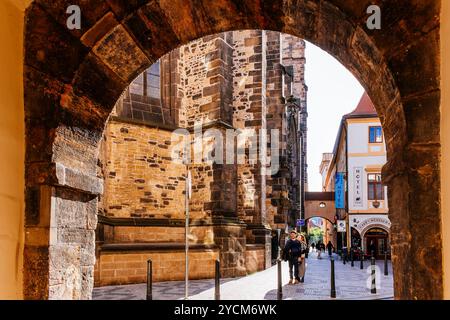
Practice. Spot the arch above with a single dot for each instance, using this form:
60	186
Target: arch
374	226
319	217
72	79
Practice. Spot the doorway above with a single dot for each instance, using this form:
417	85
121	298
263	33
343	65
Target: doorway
377	243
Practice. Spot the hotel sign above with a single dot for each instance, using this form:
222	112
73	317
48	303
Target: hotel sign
358	187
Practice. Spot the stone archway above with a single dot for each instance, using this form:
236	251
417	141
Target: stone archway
73	78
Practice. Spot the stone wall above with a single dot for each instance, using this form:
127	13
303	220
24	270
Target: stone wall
276	191
249	106
255	258
141	180
115	266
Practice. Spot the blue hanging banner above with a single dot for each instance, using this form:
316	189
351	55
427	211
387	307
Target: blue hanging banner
339	191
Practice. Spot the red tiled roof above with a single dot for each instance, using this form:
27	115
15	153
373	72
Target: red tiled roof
365	107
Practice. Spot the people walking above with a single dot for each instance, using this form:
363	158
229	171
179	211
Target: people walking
319	250
330	248
302	260
372	248
313	246
292	252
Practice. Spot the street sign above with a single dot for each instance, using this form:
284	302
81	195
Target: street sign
300	222
341	226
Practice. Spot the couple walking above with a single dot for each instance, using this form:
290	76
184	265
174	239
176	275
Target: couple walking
295	252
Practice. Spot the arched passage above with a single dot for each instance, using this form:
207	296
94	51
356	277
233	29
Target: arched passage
328	233
73	79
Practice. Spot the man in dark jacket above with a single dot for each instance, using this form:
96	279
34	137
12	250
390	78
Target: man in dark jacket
292	251
330	248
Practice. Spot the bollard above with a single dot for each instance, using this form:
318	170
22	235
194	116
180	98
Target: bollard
217	280
361	257
386	273
352	258
344	256
333	284
374	287
149	280
280	287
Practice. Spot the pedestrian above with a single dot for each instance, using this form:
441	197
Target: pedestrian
330	248
291	253
372	248
302	260
313	246
319	250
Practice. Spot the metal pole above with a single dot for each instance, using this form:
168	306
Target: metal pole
217	293
333	284
374	287
280	287
186	233
149	280
352	258
344	255
386	273
362	260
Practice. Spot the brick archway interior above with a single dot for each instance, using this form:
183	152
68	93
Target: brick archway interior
73	79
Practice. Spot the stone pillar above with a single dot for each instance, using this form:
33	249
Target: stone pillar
277	192
249	104
60	236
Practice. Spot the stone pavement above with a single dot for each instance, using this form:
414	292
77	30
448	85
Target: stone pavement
351	284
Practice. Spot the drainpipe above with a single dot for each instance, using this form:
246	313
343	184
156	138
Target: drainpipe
347	180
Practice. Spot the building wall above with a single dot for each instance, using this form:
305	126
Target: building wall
13	146
313	209
445	141
141	180
249	106
370	157
127	267
364	163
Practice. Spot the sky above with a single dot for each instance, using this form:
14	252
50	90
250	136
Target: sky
332	92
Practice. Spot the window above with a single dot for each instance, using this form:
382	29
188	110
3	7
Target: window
375	187
148	83
375	135
154	81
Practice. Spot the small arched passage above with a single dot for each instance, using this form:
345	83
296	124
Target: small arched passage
74	77
330	229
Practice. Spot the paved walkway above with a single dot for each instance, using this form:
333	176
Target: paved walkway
351	283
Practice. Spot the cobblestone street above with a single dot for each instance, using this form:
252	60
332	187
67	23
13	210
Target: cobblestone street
351	283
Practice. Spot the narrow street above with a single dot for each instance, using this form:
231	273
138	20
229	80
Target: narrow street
351	284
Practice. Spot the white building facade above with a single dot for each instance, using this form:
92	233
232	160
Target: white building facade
358	156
